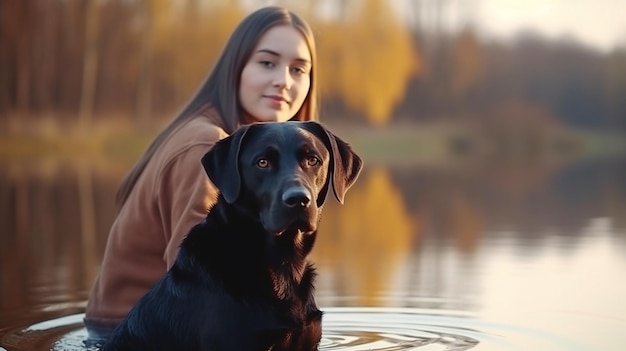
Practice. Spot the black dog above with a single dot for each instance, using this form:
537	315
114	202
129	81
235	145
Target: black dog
241	280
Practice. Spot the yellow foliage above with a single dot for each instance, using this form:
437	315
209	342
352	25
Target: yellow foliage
367	60
189	36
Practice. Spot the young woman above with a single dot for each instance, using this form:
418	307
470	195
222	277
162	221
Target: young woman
265	73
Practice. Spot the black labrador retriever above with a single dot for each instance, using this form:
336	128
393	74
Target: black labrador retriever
241	280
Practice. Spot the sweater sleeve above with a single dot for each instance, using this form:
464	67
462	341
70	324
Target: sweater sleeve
184	196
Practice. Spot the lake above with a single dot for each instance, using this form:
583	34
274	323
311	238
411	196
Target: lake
492	254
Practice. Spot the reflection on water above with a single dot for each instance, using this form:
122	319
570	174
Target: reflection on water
483	256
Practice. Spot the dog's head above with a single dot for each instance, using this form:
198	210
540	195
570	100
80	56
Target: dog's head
282	172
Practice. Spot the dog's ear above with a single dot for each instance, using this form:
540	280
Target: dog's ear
221	164
345	164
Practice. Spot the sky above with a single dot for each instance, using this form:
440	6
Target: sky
600	24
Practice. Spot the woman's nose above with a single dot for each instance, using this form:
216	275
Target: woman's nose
283	78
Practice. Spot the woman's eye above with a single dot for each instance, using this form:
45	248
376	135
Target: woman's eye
268	64
263	163
298	70
312	161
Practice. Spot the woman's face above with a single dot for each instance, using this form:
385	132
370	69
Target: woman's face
276	79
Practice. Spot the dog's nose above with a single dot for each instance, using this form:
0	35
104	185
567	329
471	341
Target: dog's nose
296	197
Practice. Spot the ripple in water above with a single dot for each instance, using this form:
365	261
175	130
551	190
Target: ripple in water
349	329
383	329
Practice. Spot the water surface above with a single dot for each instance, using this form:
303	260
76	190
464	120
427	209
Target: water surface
477	256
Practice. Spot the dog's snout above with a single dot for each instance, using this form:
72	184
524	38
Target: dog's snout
297	197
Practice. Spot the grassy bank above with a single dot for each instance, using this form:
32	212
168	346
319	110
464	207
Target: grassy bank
424	143
446	143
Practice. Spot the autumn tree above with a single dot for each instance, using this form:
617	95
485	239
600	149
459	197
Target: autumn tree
144	81
90	64
468	65
367	59
15	36
188	38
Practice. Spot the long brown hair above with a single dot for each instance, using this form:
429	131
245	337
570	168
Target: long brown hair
220	89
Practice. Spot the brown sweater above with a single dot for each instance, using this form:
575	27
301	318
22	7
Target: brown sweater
172	194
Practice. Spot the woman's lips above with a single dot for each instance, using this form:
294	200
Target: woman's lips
276	101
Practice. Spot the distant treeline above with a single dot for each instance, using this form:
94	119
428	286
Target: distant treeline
83	61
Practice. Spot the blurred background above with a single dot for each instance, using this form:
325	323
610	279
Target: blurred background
492	130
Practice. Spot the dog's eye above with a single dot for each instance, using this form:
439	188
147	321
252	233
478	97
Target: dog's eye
263	163
312	161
